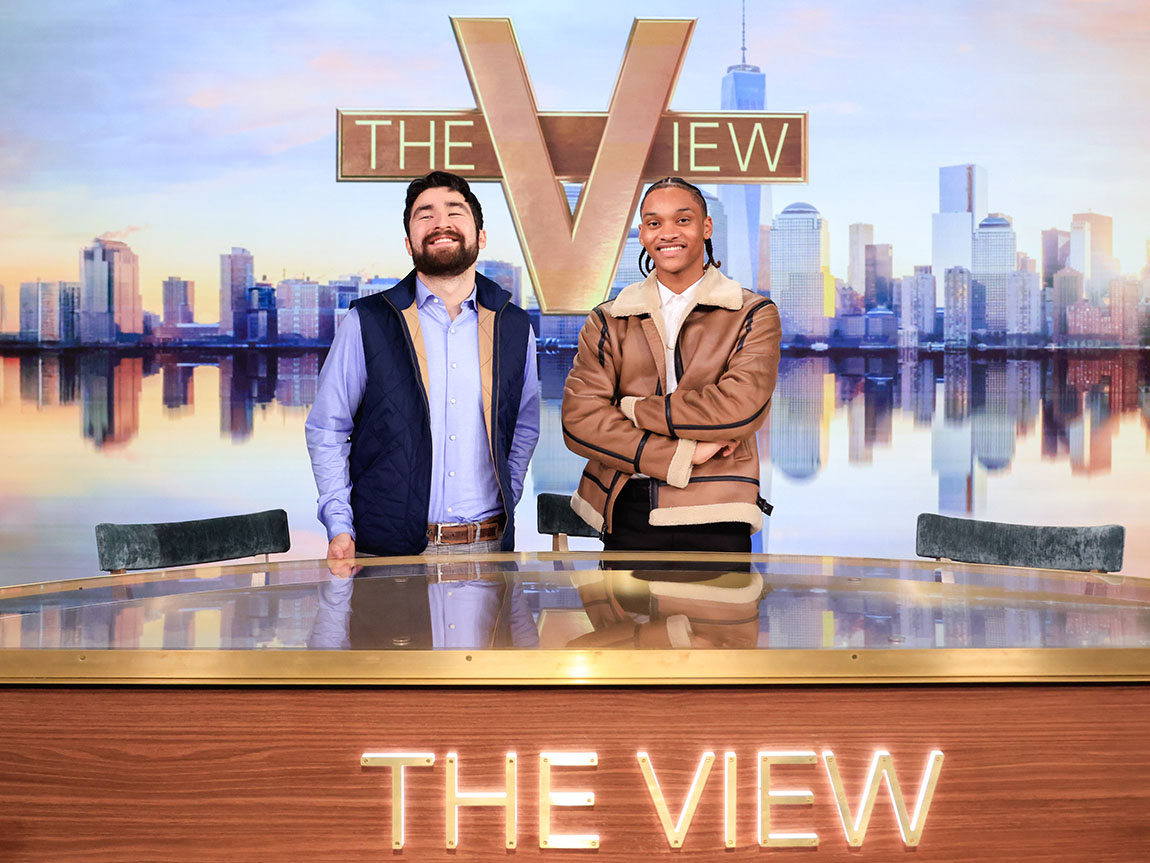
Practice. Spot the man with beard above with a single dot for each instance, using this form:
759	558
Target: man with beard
427	410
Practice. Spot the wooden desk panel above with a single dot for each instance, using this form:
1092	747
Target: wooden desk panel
1031	773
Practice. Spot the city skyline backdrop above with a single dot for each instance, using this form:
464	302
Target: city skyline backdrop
186	150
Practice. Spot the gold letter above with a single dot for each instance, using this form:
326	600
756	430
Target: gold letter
910	828
457	798
448	144
373	124
772	161
397	761
571	261
768	798
678	832
549	798
404	144
730	794
694	147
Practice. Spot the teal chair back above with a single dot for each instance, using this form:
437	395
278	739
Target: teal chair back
555	518
1086	549
179	543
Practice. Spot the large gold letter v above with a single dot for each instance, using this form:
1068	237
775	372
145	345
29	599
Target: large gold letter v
571	261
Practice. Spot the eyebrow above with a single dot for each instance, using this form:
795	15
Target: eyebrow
680	210
461	205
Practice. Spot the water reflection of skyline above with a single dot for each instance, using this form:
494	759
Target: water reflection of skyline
993	402
972	413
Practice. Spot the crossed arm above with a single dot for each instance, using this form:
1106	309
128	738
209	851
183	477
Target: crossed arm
663	436
735	406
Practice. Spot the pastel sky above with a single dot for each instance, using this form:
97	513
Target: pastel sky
186	128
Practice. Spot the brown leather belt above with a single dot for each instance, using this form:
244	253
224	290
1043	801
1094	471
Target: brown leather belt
457	534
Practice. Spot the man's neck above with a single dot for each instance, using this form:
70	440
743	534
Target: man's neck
680	281
452	290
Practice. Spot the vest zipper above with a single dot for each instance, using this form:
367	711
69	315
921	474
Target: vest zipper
418	380
495	411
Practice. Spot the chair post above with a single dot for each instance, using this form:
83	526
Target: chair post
559	542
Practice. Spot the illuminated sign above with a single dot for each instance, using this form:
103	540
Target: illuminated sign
854	821
571	259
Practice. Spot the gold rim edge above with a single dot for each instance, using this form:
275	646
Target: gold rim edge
563	668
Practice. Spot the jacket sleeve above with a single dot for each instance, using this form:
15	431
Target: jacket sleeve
732	408
595	427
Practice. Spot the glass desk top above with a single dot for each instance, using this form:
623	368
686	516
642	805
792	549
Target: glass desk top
577	617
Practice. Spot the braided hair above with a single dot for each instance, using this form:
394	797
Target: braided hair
645	262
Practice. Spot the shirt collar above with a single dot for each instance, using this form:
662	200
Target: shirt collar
423	295
667	296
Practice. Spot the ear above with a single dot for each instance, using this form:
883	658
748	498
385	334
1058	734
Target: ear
407	244
481	239
708	228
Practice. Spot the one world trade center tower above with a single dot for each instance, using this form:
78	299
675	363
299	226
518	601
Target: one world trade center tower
744	89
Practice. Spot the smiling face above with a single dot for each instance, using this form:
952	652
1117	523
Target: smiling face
441	235
673	230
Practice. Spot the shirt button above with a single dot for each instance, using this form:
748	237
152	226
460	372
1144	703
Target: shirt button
451	332
452	437
435	299
453	401
451	473
449	592
451	626
449	509
455	365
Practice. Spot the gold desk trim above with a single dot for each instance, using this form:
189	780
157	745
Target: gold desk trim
574	667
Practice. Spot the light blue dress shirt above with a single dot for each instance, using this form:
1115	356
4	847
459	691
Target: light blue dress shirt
464	486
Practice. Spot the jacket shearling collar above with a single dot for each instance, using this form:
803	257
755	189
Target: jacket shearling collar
642	298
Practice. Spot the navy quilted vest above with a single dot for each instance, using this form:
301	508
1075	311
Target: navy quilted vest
390	460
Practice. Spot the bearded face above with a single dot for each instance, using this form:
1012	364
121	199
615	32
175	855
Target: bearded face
444	252
442	236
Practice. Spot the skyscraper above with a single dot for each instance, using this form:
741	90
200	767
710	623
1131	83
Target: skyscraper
1066	291
917	308
263	316
961	203
1103	267
110	303
1055	253
993	260
861	236
1024	313
236	276
957	304
720	233
179	301
506	275
305	309
1124	312
744	89
879	273
801	283
69	312
39	312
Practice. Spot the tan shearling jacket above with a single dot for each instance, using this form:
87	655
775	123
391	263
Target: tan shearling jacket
615	412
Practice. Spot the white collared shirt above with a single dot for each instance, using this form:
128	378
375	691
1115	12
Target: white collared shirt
674	307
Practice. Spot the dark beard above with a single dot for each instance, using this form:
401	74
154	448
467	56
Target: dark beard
431	263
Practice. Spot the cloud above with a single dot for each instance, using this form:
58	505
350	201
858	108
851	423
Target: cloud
122	233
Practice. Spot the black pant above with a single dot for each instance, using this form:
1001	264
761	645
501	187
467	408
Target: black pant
631	530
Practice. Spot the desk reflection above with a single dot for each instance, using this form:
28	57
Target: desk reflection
670	609
452	606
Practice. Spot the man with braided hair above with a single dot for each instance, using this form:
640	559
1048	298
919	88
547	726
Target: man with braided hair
671	381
